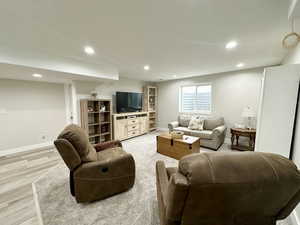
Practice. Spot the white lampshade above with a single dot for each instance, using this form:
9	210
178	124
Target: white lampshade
248	112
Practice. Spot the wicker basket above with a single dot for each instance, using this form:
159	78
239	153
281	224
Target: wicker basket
177	134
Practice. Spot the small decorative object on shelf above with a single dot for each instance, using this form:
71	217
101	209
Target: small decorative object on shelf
94	94
102	108
90	109
177	134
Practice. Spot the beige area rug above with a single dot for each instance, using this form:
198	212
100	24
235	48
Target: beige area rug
138	206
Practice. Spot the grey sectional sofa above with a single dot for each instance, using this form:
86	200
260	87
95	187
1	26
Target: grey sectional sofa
212	136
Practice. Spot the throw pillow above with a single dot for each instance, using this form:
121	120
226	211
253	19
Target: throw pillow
195	123
201	124
184	120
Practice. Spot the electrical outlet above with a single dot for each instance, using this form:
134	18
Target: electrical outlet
43	137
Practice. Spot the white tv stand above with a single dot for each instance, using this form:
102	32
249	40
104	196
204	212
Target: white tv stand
128	125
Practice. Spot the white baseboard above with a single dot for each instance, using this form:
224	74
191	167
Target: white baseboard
294	218
162	129
45	145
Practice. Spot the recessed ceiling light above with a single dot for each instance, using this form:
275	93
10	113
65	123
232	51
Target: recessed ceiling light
37	75
231	45
89	50
174	76
240	65
146	67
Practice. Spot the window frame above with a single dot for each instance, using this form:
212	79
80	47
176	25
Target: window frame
209	112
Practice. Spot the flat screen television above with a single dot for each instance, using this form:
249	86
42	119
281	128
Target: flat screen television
129	102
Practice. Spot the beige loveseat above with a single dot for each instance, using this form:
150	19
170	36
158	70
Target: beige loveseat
213	133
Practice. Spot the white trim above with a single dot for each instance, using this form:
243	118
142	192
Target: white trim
259	115
294	218
68	103
197	84
197	112
74	103
45	145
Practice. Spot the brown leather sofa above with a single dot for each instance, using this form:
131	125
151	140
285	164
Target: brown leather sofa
247	188
95	172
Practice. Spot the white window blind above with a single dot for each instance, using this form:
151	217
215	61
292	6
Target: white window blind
196	99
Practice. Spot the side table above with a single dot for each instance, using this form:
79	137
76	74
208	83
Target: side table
249	133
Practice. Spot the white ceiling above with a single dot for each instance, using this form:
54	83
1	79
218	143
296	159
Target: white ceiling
174	37
17	72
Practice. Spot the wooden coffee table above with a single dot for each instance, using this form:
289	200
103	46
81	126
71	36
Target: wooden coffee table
177	148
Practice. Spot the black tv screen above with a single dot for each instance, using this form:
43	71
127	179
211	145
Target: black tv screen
129	102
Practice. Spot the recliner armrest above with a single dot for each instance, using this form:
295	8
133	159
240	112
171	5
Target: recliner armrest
219	130
109	144
173	125
113	168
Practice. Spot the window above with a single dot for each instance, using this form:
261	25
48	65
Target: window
196	98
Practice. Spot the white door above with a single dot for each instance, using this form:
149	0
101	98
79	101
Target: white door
277	109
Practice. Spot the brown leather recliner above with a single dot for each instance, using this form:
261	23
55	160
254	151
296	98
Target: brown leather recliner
246	188
95	172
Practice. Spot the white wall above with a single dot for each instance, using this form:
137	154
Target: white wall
106	89
293	56
231	92
28	111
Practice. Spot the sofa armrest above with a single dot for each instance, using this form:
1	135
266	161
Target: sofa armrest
219	130
162	180
173	125
109	144
287	210
120	166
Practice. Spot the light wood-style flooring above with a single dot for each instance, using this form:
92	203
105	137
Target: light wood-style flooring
17	172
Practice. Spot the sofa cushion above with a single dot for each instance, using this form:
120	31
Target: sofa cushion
186	130
202	134
184	120
212	123
78	138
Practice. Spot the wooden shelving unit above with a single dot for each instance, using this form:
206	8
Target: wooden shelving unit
150	105
96	119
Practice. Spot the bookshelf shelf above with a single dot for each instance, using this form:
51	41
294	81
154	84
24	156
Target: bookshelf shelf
96	119
150	104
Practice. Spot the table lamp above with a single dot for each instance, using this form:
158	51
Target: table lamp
248	113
